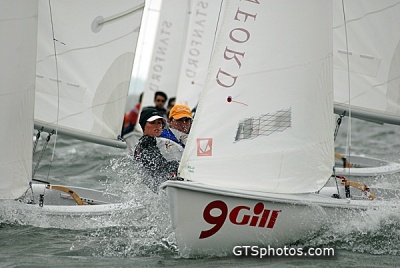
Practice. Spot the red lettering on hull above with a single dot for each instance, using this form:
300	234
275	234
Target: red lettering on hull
239	215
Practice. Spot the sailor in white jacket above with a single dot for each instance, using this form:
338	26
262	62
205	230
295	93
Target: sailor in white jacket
172	140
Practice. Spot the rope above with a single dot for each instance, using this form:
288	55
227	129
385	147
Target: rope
41	154
64	189
346	163
36	140
363	187
338	122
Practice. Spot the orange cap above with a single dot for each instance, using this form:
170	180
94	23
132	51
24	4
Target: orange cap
180	111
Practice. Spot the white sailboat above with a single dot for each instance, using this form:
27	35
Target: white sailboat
366	57
71	74
259	155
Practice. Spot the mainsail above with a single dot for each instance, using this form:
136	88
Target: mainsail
263	110
366	53
84	66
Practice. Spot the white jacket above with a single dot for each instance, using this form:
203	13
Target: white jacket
170	149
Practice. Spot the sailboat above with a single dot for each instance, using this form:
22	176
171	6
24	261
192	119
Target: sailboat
260	155
370	68
69	75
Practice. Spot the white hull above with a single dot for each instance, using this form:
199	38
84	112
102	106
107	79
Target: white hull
287	218
60	210
363	166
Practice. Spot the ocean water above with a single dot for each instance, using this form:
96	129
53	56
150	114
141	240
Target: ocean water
148	240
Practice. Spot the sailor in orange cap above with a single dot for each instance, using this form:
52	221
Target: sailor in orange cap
173	139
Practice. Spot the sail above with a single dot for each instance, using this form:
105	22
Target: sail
83	76
164	61
18	29
196	57
264	120
367	74
145	46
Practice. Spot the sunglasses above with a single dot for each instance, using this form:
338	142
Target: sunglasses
184	120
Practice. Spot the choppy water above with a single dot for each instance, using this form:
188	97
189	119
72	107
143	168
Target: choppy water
148	240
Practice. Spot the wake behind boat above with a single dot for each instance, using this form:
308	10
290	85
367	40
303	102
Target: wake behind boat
257	168
65	75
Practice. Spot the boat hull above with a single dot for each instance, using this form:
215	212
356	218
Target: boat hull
363	166
60	210
210	220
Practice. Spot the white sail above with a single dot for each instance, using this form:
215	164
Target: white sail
373	59
267	104
95	42
196	57
18	29
165	57
144	51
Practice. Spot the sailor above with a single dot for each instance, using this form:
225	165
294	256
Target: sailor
156	169
172	140
160	98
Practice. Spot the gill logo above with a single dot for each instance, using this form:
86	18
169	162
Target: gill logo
257	217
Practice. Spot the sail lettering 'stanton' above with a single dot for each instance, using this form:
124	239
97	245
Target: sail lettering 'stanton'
266	108
18	29
196	57
83	90
158	68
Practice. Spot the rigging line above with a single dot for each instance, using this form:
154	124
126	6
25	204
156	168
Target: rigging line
348	145
41	154
36	140
338	123
58	86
